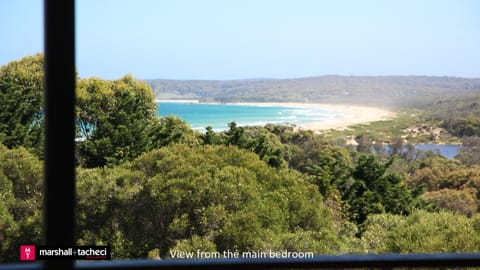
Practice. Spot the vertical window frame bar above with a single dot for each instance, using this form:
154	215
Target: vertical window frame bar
59	164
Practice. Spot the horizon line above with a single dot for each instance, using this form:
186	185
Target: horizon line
310	77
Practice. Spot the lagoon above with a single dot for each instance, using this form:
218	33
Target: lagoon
446	150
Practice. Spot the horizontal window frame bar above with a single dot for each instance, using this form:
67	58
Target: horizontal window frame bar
324	261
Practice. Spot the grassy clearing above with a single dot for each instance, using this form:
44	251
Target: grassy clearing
411	125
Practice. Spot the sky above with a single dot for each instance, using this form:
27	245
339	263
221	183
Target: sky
241	39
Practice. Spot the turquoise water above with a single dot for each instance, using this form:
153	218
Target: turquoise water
201	115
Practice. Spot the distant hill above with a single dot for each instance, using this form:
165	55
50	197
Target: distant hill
367	90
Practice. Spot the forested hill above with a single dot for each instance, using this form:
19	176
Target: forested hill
368	90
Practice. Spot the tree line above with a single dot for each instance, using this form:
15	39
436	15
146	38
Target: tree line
389	91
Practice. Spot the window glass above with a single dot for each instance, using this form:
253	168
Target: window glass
247	129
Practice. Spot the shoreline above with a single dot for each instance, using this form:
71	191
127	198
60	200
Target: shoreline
349	115
177	100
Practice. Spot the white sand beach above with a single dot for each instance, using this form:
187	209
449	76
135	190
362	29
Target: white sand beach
352	114
177	100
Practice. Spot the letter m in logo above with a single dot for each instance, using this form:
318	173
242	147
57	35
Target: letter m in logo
27	253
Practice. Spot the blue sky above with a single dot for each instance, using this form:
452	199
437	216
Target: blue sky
236	39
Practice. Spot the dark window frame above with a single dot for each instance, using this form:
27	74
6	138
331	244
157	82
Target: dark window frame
59	179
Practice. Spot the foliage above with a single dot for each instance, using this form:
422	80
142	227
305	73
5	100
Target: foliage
21	200
117	121
371	190
219	196
210	137
377	230
171	129
330	169
421	232
436	172
256	139
365	143
462	201
448	183
148	185
463	127
105	202
305	149
235	135
194	244
267	146
406	91
21	97
469	153
459	115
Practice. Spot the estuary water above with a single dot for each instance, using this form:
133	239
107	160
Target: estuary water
446	150
201	115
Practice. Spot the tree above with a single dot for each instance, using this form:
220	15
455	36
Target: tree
410	153
210	137
116	120
436	173
372	191
425	232
331	168
273	156
377	230
171	129
397	146
106	201
463	126
380	149
420	232
21	97
215	197
266	145
365	143
260	140
21	200
194	245
469	153
235	135
304	149
459	201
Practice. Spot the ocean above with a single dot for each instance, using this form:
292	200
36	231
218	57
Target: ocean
201	115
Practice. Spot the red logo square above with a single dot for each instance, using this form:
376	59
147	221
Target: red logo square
27	253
